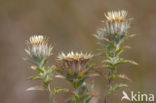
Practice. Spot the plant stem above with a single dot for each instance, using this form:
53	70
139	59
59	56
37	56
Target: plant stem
107	90
111	68
50	94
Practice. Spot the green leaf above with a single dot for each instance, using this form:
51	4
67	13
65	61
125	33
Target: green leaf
132	62
81	81
59	90
113	77
34	77
40	70
114	60
41	88
86	99
115	87
119	51
122	76
48	70
118	60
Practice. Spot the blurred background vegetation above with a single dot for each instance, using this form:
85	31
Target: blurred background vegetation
70	25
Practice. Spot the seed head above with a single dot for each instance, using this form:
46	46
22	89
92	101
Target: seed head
37	40
116	16
74	61
115	27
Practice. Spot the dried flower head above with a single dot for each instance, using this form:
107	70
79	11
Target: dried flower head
37	40
115	27
74	61
38	49
116	16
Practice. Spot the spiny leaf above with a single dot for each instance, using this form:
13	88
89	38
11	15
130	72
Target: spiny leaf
81	81
132	62
126	47
115	87
36	88
118	60
131	35
49	69
33	67
59	90
122	76
86	99
119	51
60	76
34	77
40	70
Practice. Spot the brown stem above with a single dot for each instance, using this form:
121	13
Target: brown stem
105	99
107	90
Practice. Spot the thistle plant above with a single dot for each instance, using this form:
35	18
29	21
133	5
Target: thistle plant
74	67
111	37
38	52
